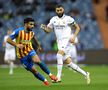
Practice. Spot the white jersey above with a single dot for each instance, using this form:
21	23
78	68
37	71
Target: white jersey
9	50
61	26
63	32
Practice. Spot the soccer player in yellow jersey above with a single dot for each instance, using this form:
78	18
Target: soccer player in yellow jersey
26	53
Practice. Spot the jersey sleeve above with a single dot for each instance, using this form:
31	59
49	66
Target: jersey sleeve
50	24
14	34
70	21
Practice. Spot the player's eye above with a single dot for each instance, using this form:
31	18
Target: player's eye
59	10
32	24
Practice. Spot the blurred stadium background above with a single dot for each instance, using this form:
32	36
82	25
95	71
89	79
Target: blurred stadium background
91	15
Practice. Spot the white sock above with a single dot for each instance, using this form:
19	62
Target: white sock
77	68
11	68
59	65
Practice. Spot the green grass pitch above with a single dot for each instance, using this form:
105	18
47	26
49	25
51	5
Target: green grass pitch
23	80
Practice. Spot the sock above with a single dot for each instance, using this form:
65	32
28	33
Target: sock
11	68
44	67
77	68
39	76
59	65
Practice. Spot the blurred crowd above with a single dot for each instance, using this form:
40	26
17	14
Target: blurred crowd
12	13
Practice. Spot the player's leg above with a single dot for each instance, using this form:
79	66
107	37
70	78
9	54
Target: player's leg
39	76
43	66
59	64
61	47
73	53
78	69
74	66
73	50
28	65
12	59
69	61
7	60
11	65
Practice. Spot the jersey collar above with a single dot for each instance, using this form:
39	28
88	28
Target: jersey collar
62	16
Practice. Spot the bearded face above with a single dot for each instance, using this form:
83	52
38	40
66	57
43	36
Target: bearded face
30	26
60	11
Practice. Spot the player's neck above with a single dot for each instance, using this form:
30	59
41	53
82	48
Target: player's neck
61	16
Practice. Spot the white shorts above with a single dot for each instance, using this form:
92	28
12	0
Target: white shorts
62	43
66	46
72	52
10	55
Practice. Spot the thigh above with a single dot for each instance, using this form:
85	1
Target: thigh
7	56
10	55
34	57
67	51
62	44
73	51
27	63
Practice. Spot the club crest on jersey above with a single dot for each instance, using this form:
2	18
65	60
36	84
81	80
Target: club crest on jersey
54	21
25	41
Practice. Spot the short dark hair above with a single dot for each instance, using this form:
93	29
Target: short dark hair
26	20
58	6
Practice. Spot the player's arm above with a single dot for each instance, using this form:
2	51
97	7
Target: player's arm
36	41
10	41
13	36
45	28
77	29
37	44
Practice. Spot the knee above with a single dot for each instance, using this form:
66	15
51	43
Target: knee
61	52
36	59
68	60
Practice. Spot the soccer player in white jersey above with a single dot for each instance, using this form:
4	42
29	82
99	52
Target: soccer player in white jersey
62	25
10	54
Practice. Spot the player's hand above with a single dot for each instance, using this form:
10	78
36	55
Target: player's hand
39	49
43	26
72	39
21	46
